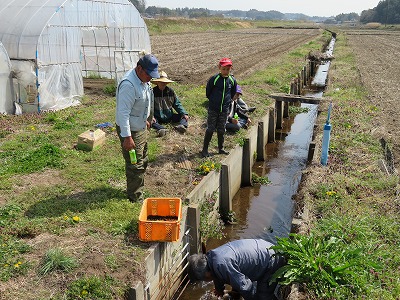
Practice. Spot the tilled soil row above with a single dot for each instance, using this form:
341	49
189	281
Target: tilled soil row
193	57
378	61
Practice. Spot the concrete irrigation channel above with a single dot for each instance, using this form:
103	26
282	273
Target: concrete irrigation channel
279	147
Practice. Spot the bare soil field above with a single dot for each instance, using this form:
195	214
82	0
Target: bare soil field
377	54
193	57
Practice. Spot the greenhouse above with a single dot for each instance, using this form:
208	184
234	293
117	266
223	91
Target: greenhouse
53	44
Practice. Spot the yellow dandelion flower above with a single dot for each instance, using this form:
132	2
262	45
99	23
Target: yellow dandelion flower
84	292
76	218
207	169
212	166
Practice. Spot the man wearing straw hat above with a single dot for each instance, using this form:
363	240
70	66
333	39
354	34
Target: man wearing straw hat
165	103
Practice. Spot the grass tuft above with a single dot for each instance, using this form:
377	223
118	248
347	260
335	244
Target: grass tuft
56	260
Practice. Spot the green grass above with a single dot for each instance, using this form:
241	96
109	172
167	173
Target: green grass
57	260
91	288
12	250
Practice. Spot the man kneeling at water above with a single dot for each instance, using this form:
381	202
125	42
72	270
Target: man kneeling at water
246	265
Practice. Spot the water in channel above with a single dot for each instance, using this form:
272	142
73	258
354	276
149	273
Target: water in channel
265	211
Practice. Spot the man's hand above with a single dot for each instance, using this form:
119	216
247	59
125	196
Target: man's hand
218	293
186	117
128	143
235	121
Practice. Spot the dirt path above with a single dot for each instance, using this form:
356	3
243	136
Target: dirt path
377	54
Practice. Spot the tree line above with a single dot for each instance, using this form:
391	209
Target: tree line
386	12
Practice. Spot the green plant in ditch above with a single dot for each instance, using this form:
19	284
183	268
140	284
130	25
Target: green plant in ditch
230	217
259	179
56	260
211	224
325	264
298	109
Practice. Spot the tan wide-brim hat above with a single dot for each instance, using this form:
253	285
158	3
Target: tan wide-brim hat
163	78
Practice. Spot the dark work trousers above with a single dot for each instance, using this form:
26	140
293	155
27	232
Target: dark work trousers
265	290
175	119
135	172
216	121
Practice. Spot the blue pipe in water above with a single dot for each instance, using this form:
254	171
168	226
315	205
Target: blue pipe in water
326	138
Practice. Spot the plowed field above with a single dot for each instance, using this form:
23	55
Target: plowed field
377	55
193	57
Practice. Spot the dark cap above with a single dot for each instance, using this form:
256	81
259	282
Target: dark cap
150	64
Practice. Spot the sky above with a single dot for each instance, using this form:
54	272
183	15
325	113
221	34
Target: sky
321	8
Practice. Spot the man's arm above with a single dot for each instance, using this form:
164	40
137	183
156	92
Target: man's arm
125	102
241	283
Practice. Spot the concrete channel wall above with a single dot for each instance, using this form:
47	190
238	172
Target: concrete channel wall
166	261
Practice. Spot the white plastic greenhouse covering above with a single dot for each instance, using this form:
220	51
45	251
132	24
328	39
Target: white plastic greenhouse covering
53	43
6	104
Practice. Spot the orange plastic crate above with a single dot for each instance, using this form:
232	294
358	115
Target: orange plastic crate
160	219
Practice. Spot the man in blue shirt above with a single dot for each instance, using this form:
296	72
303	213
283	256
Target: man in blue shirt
134	113
246	265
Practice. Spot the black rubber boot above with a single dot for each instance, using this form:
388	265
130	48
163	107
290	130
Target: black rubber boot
207	138
221	139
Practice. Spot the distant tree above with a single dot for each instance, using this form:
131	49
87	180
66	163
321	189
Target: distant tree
387	12
160	11
274	15
367	16
140	5
347	17
199	13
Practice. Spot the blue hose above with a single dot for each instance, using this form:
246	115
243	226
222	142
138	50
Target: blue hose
326	138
